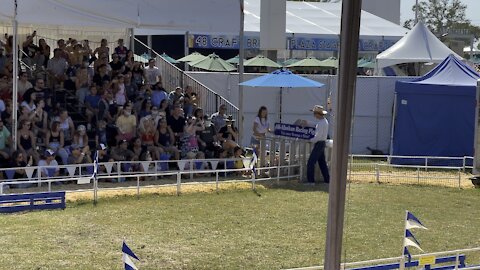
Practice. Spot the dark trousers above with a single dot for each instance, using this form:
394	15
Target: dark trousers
317	155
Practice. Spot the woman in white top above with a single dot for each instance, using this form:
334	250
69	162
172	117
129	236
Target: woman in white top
260	127
23	83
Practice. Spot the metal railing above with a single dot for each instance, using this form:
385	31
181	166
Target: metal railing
172	76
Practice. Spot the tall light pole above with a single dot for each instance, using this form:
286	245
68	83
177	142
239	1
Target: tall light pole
347	74
15	80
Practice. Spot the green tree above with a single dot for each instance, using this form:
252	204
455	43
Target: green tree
440	15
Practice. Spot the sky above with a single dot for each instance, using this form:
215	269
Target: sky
473	7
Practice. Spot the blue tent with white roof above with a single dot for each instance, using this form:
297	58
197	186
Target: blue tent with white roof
435	114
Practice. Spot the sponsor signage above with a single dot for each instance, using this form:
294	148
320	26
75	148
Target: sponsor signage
294	131
295	43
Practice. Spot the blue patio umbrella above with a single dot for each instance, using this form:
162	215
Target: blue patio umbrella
282	78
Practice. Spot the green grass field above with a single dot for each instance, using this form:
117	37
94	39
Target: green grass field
277	227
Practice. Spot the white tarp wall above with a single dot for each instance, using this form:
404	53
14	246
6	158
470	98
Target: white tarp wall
373	104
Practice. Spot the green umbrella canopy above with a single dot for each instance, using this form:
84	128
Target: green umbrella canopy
235	60
290	61
307	62
367	65
329	62
261	61
169	59
213	62
193	57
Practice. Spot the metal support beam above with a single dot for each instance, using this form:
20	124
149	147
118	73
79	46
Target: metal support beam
349	37
241	55
15	80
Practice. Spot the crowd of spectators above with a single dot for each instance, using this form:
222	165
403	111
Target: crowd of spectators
129	115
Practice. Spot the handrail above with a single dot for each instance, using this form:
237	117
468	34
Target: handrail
174	76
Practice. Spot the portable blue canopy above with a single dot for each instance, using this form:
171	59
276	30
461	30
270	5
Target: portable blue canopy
435	114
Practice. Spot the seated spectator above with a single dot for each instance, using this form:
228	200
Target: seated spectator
190	100
146	108
228	134
57	67
48	164
79	155
91	105
23	83
189	144
29	101
81	84
26	142
40	120
147	136
138	74
5	143
139	151
116	65
106	99
118	90
103	155
176	96
54	141
158	94
40	93
121	152
101	133
131	89
218	118
7	115
66	126
19	161
177	123
165	139
102	75
238	156
126	124
164	110
80	137
207	139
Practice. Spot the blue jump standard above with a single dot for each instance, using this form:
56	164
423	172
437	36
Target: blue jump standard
12	203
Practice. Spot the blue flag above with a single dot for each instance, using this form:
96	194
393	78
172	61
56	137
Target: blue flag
409	234
413	222
407	253
127	253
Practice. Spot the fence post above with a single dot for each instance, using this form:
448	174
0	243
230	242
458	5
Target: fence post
457	260
216	181
138	187
426	163
95	190
191	169
253	181
418	175
459	178
179	183
464	163
1	188
377	173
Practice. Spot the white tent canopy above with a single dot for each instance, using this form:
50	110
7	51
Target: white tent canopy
306	18
193	15
419	45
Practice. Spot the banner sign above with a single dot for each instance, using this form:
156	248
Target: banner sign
320	44
296	43
221	42
294	131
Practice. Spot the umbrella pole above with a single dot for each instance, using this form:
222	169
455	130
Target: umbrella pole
280	107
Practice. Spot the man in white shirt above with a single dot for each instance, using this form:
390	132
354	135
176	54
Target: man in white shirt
152	73
318	151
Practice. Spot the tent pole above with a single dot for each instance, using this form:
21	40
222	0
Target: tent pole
347	73
14	79
394	114
132	40
186	51
241	56
476	150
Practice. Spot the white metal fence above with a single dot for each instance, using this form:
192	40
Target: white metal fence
472	261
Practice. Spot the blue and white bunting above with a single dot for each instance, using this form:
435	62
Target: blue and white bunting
254	161
127	253
407	253
413	222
